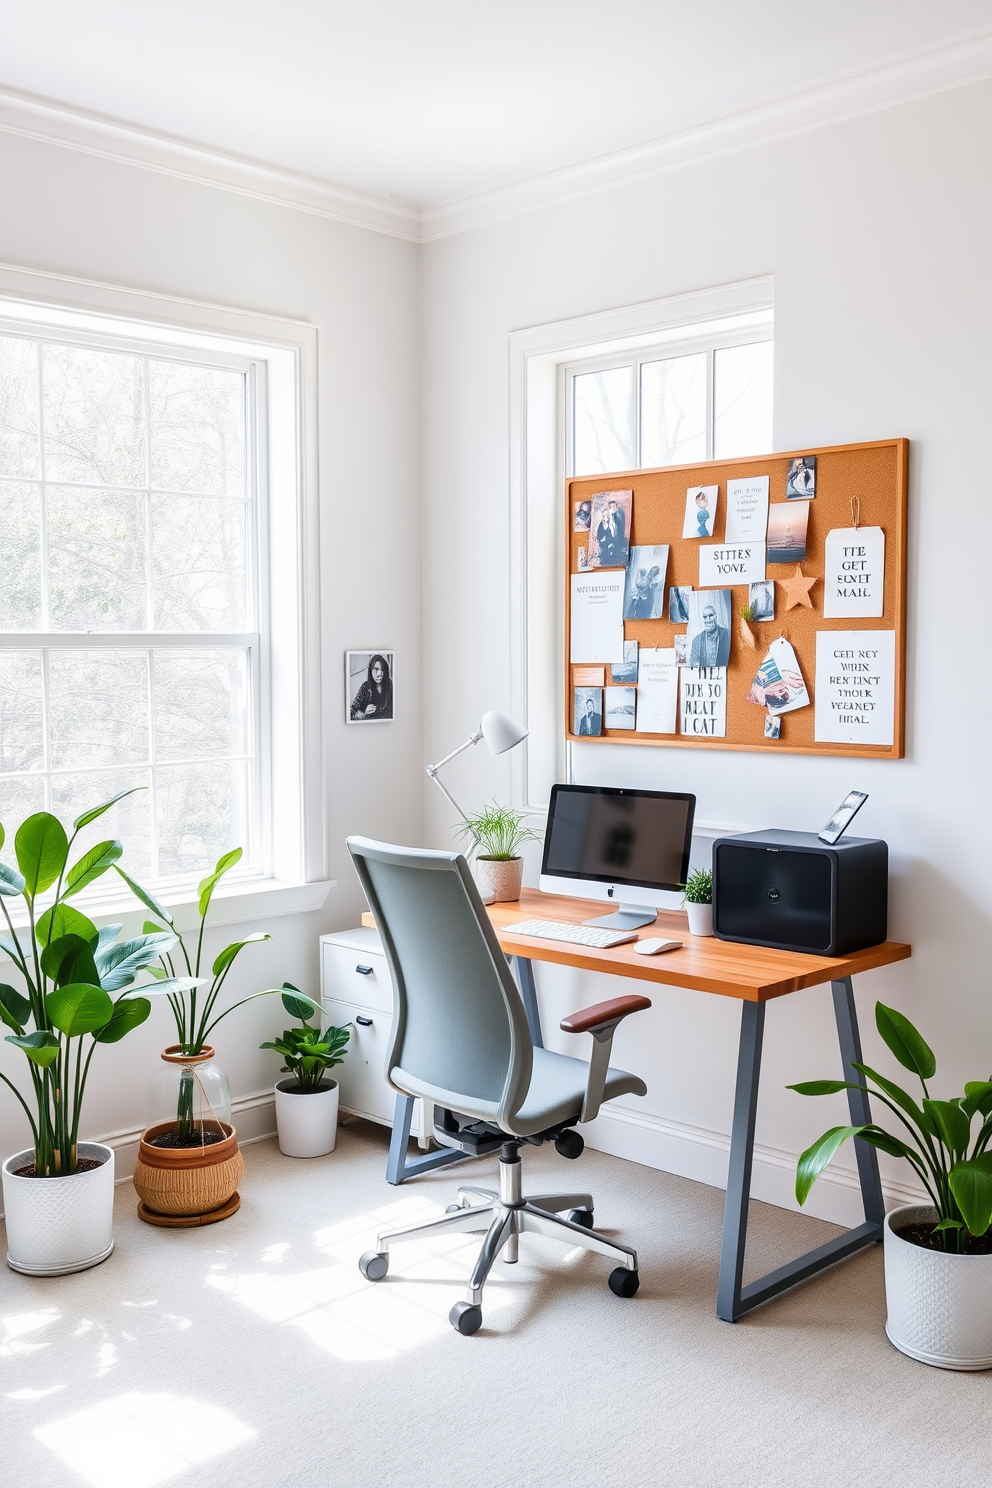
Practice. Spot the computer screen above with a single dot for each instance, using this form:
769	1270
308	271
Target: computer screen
619	836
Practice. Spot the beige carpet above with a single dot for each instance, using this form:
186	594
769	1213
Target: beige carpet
253	1353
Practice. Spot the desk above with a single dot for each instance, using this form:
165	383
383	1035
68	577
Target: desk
754	976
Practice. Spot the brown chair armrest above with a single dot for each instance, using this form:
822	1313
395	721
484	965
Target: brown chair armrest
604	1012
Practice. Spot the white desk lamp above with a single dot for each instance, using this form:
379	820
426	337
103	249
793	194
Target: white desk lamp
500	731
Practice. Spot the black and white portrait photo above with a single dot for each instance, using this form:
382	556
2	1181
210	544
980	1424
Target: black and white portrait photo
609	529
761	598
368	679
588	718
709	627
644	591
678	604
800	484
583	515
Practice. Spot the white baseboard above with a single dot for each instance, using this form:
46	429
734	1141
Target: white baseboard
693	1152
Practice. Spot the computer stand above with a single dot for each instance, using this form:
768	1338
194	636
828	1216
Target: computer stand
626	917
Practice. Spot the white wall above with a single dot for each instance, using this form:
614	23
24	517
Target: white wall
79	215
876	230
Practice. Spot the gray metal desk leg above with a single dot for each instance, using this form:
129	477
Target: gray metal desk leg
400	1167
528	991
733	1299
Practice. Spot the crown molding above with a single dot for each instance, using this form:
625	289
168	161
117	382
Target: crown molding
918	75
127	144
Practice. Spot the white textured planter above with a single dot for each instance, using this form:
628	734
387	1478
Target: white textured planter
939	1305
307	1121
700	918
500	877
58	1225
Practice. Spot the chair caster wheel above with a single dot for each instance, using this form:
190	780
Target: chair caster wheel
465	1318
581	1217
374	1265
569	1144
624	1283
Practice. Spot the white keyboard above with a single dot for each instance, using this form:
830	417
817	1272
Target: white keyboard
585	935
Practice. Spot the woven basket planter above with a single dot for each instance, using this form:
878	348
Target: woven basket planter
187	1184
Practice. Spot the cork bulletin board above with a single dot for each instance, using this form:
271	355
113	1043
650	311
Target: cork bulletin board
856	485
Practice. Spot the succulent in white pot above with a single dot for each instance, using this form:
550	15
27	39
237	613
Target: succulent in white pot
497	833
698	900
307	1102
938	1256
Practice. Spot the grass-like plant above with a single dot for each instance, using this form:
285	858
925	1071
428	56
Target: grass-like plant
498	831
308	1052
950	1159
699	887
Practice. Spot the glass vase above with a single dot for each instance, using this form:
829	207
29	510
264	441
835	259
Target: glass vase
190	1094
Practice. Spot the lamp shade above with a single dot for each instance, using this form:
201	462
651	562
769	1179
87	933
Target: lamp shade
500	731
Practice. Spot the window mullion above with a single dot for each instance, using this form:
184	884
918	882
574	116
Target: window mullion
710	402
152	768
43	495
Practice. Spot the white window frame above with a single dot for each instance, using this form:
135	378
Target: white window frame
281	357
542	361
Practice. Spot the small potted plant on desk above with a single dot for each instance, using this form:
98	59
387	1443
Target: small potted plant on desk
698	901
307	1102
497	832
938	1256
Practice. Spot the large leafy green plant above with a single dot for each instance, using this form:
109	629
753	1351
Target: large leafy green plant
947	1149
69	970
308	1052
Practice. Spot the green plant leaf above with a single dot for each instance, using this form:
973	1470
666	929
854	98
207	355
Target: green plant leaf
977	1097
898	1095
10	947
906	1043
877	1136
971	1184
208	884
109	934
813	1161
119	964
64	919
298	1005
148	900
78	1008
41	1047
42	848
91	865
95	811
69	959
820	1087
163	985
15	1009
11	882
228	954
950	1123
128	1013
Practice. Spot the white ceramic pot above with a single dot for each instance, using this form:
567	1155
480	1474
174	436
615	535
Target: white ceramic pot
500	877
700	918
939	1305
307	1121
57	1225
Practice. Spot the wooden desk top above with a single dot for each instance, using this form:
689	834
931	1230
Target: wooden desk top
704	964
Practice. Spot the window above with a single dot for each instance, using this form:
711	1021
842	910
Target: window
131	631
670	407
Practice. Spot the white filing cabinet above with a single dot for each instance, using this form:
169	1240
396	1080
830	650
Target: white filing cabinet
356	988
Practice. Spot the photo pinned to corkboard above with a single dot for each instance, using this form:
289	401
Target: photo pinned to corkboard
830	573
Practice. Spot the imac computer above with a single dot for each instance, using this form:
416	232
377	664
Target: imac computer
627	846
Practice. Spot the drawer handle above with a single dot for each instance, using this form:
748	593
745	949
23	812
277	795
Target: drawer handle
364	970
365	1022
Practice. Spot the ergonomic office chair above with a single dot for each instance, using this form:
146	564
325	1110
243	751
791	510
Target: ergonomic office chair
461	1041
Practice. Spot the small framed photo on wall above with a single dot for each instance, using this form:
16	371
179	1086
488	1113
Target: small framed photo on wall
368	686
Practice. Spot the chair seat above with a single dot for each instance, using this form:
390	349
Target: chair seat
557	1090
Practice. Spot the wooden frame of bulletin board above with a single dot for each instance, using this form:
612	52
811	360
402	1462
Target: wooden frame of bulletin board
856	485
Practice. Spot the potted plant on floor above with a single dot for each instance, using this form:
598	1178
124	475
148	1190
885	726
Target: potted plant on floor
189	1165
698	901
307	1102
498	832
59	1193
938	1256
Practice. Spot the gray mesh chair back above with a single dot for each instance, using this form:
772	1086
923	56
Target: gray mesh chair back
460	1032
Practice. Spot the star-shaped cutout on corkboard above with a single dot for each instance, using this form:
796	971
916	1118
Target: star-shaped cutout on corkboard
797	589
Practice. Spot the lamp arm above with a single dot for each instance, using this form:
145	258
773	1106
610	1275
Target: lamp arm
433	769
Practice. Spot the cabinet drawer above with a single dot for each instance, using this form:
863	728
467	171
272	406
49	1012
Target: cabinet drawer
358	977
361	1077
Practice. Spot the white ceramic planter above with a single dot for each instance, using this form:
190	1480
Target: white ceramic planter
307	1121
500	877
700	918
58	1225
939	1305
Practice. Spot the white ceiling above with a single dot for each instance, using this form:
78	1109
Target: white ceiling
431	100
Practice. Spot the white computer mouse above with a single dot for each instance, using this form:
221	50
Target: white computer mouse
655	947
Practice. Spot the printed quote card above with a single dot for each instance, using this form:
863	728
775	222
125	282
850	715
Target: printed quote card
704	702
747	510
855	686
721	564
597	616
854	576
657	691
